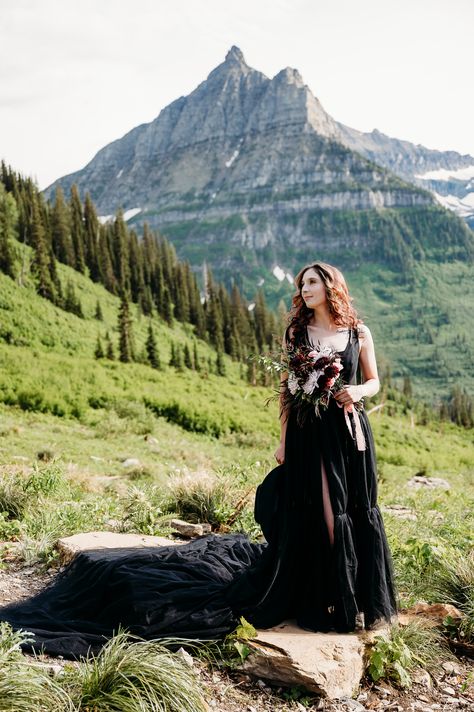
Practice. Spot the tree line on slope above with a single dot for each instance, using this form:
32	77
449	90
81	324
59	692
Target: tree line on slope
144	270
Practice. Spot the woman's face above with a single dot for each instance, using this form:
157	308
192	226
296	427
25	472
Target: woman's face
313	289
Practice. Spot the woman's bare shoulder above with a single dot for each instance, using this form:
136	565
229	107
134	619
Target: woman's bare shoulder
363	331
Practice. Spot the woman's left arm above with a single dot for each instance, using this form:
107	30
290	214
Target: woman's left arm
368	365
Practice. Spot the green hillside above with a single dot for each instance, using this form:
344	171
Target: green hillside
48	364
197	443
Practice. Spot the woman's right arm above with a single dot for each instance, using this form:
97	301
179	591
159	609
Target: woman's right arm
280	451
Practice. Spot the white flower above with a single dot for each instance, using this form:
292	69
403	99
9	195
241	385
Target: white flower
325	351
293	384
312	381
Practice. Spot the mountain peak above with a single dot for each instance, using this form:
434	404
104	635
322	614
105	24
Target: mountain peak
289	76
235	56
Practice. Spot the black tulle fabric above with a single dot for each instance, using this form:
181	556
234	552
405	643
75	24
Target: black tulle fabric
199	590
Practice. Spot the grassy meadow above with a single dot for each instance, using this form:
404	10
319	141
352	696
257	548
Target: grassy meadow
197	445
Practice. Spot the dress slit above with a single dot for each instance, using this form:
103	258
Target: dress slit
327	506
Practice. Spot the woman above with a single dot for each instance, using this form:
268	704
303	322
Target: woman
330	459
325	559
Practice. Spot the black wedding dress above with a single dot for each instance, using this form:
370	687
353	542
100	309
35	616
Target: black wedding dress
199	590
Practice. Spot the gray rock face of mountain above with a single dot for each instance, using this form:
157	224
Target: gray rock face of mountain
247	162
238	132
447	174
402	157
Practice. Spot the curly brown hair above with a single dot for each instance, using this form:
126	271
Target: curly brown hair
338	299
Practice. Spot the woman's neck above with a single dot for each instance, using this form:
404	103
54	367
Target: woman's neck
322	319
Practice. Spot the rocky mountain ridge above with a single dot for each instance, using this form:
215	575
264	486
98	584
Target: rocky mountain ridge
247	170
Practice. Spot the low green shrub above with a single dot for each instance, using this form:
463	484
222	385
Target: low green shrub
199	420
9	528
396	654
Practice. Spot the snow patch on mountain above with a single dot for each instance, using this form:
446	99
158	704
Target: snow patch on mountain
279	273
447	174
464	207
232	159
129	214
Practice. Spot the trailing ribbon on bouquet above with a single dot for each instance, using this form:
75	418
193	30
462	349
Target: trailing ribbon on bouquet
359	435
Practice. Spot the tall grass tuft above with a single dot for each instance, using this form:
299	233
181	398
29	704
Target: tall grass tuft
202	498
132	675
24	686
13	498
453	583
142	510
45	480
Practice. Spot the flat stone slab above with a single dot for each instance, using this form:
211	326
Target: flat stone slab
70	546
190	530
328	664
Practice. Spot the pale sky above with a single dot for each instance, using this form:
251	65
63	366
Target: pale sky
77	74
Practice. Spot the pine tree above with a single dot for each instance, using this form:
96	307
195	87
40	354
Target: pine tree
61	232
214	318
137	281
8	218
77	229
261	321
167	307
71	301
179	358
109	351
282	316
91	239
188	362
407	387
157	289
172	361
121	249
146	301
220	364
106	268
197	365
126	349
251	372
181	294
41	260
151	349
99	351
98	312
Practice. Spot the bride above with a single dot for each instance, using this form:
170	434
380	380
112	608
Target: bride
325	562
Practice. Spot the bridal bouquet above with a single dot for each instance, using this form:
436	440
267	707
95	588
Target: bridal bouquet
313	375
